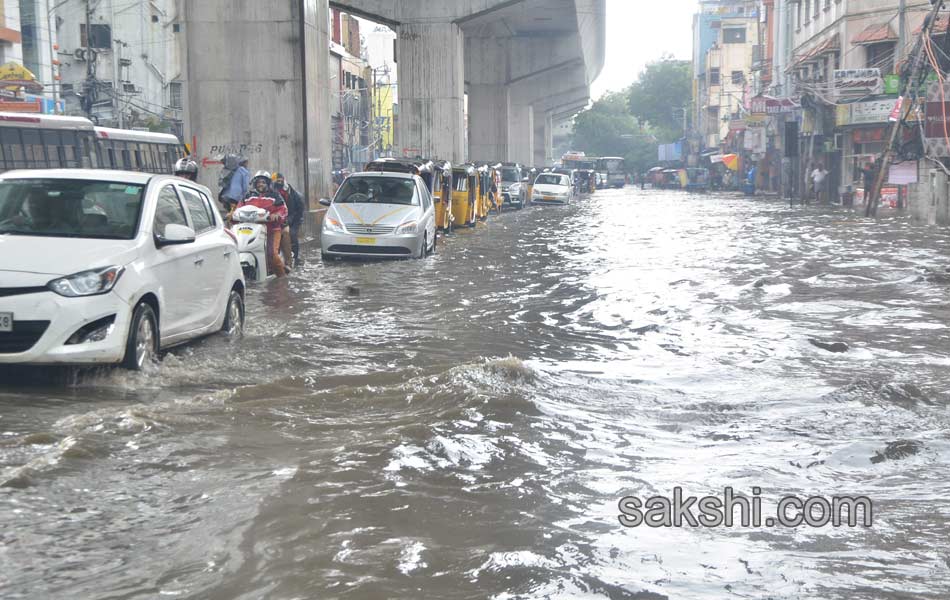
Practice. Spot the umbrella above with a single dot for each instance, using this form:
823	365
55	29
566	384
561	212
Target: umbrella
731	161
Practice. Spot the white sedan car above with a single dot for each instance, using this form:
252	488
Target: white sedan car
377	215
107	267
552	188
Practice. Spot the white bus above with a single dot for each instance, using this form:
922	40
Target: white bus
54	142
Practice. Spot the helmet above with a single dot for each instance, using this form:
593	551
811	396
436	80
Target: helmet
186	167
261	175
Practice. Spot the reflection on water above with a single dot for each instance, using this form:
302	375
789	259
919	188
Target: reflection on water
463	426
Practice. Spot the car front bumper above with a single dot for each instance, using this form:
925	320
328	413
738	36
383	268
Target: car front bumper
382	246
44	321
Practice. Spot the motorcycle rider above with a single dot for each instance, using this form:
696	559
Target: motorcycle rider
262	196
295	211
187	168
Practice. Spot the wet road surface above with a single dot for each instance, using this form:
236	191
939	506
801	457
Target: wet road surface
464	426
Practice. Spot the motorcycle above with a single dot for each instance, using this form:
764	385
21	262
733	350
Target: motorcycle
250	229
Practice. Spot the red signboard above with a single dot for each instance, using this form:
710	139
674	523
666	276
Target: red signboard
868	135
936	115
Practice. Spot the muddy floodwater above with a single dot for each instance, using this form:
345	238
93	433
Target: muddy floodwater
465	426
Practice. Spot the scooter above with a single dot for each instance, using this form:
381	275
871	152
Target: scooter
250	229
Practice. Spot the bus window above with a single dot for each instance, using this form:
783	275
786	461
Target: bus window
33	149
68	149
90	152
110	152
54	147
155	157
172	157
126	159
12	148
137	163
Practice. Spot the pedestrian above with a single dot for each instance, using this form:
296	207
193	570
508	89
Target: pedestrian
818	177
235	184
296	209
263	196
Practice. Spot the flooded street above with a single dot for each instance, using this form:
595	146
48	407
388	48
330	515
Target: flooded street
464	426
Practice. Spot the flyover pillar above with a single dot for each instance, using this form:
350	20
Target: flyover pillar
543	139
431	90
489	104
521	133
256	79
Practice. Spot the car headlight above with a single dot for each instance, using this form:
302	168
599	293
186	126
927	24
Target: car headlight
87	283
405	228
332	225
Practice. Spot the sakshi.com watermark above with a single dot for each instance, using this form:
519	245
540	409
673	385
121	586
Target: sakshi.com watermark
732	509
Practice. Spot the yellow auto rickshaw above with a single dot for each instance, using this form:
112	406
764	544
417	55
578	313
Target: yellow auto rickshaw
464	196
442	187
483	201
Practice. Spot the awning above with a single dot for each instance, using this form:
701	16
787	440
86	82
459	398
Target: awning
832	44
875	34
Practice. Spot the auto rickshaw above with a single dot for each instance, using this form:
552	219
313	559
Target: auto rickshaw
464	196
484	193
442	189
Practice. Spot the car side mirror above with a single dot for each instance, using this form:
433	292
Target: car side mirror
175	235
325	202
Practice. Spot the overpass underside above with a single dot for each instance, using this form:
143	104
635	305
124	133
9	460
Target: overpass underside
257	82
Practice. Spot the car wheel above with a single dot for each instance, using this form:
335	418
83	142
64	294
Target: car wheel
234	316
424	248
435	242
141	348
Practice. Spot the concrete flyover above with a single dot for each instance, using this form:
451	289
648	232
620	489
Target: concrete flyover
523	63
256	78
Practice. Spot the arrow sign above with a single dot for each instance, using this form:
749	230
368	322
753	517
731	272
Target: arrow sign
207	161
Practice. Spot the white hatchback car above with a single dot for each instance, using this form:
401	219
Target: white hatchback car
105	267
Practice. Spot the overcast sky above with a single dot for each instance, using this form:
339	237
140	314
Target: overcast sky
639	32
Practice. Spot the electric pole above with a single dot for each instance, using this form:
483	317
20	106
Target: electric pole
89	85
911	85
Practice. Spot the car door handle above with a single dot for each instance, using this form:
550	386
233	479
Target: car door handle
227	254
199	261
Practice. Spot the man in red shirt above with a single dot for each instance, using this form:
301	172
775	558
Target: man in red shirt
262	196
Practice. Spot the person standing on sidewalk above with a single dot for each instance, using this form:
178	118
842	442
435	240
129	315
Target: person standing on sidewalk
818	177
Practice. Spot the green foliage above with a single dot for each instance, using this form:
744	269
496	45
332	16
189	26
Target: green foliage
608	129
660	95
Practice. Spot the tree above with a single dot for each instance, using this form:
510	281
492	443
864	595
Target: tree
660	95
608	129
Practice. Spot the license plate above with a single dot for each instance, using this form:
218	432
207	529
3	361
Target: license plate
6	322
245	231
366	241
548	197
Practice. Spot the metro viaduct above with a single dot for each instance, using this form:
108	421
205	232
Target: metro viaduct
256	78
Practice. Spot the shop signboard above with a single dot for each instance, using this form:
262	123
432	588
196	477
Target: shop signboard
766	105
871	112
857	83
937	120
903	173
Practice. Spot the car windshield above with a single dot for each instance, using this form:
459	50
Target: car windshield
70	208
510	175
551	179
378	190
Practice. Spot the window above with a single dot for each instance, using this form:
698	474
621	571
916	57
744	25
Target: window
200	217
12	148
733	35
100	36
33	149
168	210
174	94
126	160
737	78
53	145
714	76
880	56
111	158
